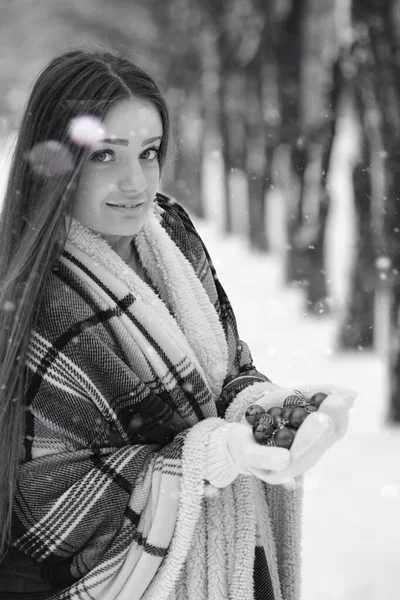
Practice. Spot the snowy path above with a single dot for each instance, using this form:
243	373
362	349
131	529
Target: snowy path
351	525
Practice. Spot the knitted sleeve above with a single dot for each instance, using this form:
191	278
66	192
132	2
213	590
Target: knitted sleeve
241	371
111	480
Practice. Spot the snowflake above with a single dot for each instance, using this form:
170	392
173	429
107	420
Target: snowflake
9	306
136	422
50	159
86	130
383	263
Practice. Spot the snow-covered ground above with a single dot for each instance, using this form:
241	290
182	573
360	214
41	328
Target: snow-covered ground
351	522
351	525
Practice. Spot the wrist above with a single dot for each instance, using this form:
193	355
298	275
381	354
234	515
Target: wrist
220	468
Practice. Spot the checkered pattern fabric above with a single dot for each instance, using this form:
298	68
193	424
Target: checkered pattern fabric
127	378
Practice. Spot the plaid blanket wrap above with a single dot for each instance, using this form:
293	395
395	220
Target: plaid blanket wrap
127	378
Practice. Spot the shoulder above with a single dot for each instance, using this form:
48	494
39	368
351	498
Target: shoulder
180	227
65	303
75	333
173	212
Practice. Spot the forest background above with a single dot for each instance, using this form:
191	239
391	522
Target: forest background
286	122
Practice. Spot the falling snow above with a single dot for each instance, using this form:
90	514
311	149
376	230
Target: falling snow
136	422
9	306
383	262
351	496
50	159
359	476
86	130
357	483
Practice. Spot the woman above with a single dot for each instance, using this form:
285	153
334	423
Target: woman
129	470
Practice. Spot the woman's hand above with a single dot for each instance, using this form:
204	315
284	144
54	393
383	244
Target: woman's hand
232	449
320	430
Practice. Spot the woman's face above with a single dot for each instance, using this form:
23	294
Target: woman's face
120	178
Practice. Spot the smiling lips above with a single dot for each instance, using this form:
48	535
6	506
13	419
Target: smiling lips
125	205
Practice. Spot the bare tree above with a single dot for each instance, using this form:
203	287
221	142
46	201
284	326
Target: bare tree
375	70
258	155
357	327
308	92
225	22
180	22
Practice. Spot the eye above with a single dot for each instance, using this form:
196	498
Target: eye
150	154
103	156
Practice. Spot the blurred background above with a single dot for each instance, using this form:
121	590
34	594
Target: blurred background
286	152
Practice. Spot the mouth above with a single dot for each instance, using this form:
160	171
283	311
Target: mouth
126	207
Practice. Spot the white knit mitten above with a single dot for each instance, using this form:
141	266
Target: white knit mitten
320	430
232	450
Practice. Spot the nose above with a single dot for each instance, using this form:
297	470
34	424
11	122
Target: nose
133	179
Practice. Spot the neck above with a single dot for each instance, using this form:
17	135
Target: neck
121	244
125	248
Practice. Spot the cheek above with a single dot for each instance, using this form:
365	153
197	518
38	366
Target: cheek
94	186
153	177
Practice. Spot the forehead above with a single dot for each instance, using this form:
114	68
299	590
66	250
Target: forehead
133	119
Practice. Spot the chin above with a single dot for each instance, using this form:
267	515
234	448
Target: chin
124	229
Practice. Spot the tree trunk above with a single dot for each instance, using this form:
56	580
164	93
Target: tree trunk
394	361
378	22
317	297
256	165
185	173
385	47
224	133
357	329
392	228
186	100
270	113
316	291
289	69
296	262
230	120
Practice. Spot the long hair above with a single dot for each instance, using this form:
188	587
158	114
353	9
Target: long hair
36	216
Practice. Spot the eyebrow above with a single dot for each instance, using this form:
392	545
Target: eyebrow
123	142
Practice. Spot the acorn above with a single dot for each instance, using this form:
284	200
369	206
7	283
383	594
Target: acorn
284	437
253	412
297	416
317	399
